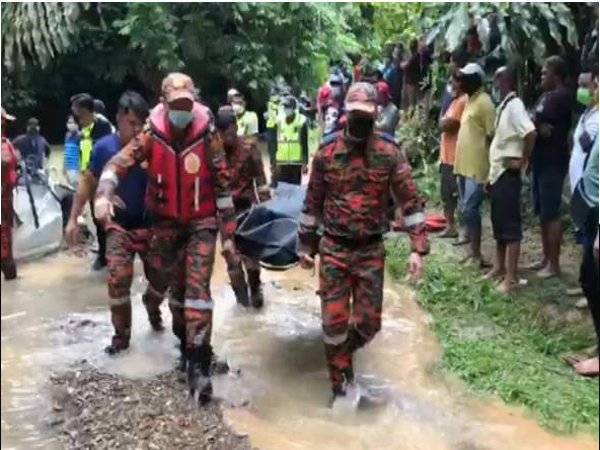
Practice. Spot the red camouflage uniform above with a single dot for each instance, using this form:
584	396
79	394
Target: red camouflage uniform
9	181
248	187
185	249
348	195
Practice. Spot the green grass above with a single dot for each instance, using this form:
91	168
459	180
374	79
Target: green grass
506	345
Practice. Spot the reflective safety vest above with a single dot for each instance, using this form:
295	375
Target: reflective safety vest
289	149
180	183
247	124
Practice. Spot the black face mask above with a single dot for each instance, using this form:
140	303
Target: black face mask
360	128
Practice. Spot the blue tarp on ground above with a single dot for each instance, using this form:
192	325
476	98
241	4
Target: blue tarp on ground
269	231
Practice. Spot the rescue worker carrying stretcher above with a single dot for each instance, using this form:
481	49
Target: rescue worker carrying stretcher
248	187
188	195
354	172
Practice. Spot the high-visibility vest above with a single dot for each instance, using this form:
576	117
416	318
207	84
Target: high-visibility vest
247	124
289	150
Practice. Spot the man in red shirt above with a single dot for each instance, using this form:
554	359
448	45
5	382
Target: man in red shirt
10	159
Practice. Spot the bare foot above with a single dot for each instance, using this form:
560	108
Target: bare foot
548	272
494	273
588	368
507	286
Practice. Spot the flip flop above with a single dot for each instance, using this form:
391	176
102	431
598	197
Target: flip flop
535	266
459	242
571	360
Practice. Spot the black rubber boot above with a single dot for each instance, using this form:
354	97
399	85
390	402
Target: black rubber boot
198	370
240	288
9	269
154	315
257	298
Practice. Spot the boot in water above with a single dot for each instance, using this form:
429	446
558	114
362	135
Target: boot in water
154	314
118	344
240	288
9	269
256	294
346	395
198	371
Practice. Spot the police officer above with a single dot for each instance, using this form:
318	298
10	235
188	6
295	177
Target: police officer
292	144
247	121
354	172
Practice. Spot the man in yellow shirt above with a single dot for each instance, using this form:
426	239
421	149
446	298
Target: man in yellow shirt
471	163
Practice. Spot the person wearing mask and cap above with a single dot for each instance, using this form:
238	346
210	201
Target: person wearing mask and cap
291	158
387	113
330	97
354	172
189	197
247	121
34	147
10	163
471	161
248	187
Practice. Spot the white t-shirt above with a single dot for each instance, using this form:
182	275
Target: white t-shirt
588	122
513	124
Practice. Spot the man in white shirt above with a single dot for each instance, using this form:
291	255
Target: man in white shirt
509	155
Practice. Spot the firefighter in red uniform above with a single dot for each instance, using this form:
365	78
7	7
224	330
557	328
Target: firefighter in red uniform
248	186
10	158
188	196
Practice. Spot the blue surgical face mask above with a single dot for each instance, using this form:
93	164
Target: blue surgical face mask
180	119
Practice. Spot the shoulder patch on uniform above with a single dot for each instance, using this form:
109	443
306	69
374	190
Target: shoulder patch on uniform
329	138
388	138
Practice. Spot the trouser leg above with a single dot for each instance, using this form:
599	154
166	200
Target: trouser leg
7	262
100	235
590	285
157	281
198	308
235	270
253	270
367	292
120	259
334	290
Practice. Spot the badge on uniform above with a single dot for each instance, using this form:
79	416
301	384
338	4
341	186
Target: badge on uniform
191	163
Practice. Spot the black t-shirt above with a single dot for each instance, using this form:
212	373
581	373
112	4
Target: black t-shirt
554	108
101	128
412	71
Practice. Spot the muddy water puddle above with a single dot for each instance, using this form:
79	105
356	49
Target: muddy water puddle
56	314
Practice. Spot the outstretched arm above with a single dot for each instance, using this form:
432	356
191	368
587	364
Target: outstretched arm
136	151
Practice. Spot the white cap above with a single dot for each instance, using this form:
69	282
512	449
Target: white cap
472	69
